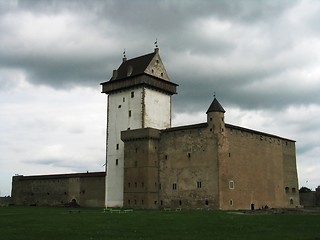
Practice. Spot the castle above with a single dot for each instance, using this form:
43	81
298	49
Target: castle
151	165
208	165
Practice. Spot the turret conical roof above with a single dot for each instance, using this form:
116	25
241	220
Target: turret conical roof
215	107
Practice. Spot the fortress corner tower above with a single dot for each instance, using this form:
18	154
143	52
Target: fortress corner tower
139	96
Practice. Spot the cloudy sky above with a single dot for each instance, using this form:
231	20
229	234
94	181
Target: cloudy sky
261	58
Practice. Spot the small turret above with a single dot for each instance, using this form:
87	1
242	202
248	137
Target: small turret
215	117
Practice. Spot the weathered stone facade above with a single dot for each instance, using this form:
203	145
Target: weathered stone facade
209	165
206	165
85	189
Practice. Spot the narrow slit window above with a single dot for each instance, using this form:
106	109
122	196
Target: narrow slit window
132	94
117	162
129	113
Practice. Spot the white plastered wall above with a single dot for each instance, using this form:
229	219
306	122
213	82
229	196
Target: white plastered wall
149	108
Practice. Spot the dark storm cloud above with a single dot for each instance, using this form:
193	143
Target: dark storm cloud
204	46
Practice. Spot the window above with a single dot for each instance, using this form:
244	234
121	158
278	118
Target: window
142	184
231	202
129	185
291	201
132	94
165	156
287	190
198	184
207	202
117	147
135	185
117	162
123	99
119	106
189	155
129	113
231	184
174	186
142	201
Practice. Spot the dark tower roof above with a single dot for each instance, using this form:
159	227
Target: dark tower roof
215	107
147	70
138	66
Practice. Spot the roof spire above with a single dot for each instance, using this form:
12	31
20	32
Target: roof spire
156	46
124	55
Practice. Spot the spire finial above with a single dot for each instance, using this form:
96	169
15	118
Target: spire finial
124	55
156	44
214	94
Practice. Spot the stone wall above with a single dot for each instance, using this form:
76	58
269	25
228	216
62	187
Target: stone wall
86	189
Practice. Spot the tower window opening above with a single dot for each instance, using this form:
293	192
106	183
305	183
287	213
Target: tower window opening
123	99
231	202
189	155
117	147
231	184
174	186
293	190
132	94
135	185
161	74
207	202
287	189
129	113
119	106
117	162
199	184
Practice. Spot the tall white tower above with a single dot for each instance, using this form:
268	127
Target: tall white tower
139	96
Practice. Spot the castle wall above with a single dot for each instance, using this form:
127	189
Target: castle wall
256	171
188	169
57	190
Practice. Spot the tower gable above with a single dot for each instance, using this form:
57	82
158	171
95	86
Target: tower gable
147	70
150	64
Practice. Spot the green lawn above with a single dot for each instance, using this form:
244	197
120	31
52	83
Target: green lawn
58	223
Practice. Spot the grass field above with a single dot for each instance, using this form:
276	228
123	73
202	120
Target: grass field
59	223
